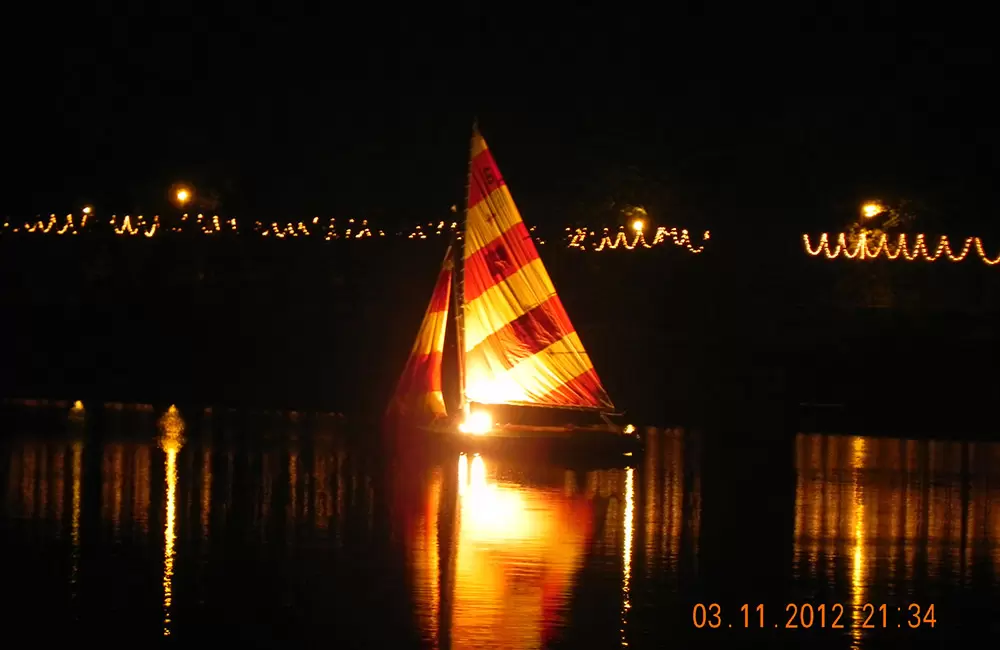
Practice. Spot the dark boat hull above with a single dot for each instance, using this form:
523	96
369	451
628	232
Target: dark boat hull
589	446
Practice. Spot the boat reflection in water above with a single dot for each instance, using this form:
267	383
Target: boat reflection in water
186	529
496	564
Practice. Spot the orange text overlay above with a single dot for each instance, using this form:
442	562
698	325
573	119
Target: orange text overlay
835	616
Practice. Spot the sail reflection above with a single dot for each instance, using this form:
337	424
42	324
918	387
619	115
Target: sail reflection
499	550
903	510
495	562
517	553
426	559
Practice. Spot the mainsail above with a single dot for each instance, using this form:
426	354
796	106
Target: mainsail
418	394
520	346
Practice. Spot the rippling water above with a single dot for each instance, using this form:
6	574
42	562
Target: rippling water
135	526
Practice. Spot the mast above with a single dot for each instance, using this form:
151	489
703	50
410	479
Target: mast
459	281
456	289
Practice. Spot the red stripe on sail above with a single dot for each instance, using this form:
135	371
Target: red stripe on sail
484	177
422	375
439	299
498	260
583	390
529	334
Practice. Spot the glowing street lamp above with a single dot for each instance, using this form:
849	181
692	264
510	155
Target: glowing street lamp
183	195
871	209
87	209
638	225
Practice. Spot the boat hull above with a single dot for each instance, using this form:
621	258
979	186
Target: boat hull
596	447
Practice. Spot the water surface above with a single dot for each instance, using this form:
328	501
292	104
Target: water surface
126	525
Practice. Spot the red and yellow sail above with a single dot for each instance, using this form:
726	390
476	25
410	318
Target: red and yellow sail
520	346
418	394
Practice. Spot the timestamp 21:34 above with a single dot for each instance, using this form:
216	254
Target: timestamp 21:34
806	615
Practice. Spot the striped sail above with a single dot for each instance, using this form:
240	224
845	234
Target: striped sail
520	346
418	394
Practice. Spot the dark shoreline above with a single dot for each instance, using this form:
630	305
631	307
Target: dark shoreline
719	339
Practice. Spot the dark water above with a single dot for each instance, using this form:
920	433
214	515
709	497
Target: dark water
128	526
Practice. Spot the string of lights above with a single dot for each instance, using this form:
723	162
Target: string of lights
862	250
140	225
328	229
578	239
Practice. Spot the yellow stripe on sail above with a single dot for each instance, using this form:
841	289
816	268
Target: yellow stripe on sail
506	301
434	402
489	382
498	205
478	145
430	338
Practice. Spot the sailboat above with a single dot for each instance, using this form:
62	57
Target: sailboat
523	372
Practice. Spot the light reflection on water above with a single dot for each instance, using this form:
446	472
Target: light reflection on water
171	441
904	512
520	542
299	531
77	470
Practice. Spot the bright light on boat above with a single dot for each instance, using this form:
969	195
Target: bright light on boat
478	423
629	428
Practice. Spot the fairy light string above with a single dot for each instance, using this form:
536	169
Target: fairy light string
863	249
581	239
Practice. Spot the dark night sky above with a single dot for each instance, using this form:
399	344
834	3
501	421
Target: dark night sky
707	114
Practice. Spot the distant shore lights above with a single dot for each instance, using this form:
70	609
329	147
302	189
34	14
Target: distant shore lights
638	234
679	237
863	239
862	250
182	195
